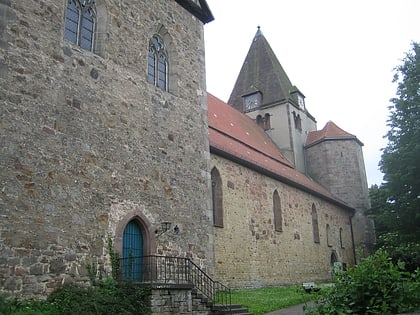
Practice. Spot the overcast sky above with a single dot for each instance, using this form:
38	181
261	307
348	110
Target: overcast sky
340	54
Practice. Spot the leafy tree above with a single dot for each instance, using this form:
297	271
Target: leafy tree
375	286
396	203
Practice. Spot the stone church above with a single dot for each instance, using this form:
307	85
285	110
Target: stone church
108	135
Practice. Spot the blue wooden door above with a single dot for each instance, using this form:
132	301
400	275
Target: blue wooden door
132	252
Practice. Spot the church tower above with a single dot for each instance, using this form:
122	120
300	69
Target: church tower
264	92
331	156
334	158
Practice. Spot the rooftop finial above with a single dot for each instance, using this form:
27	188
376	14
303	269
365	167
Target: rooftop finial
258	31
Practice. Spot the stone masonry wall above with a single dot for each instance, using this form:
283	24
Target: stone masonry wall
177	301
250	253
339	166
85	141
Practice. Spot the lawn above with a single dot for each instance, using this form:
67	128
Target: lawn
264	300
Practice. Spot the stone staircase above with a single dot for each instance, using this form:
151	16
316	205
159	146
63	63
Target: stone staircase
236	309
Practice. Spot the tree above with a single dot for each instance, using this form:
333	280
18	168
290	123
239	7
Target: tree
396	203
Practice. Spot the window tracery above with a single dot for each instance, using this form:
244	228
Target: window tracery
157	68
80	23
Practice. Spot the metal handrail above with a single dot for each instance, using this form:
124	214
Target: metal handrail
165	271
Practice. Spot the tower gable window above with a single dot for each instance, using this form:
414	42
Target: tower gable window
251	101
278	220
217	197
80	23
157	68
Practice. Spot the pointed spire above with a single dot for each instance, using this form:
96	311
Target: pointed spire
261	72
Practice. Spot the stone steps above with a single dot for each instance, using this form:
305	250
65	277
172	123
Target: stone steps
234	309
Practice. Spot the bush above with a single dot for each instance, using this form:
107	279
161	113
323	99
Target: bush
108	297
375	286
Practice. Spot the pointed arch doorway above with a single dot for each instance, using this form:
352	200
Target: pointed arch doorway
134	240
132	252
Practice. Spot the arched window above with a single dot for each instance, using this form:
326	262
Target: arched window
217	197
267	123
315	227
80	23
328	231
278	224
132	252
260	121
157	68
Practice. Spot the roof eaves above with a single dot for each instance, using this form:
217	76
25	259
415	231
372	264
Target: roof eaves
264	171
201	12
249	146
334	139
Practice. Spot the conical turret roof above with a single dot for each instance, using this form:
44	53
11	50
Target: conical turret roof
330	132
262	72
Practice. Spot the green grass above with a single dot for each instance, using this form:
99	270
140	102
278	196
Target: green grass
265	300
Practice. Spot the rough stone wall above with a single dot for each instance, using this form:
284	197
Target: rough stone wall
250	253
339	166
177	301
85	141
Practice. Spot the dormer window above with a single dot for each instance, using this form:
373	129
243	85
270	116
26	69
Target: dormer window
252	101
301	101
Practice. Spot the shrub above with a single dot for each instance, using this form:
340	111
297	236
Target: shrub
375	286
108	297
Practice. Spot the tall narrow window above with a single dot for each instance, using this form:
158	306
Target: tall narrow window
298	121
80	23
278	224
217	197
260	121
267	123
157	68
341	238
328	231
315	227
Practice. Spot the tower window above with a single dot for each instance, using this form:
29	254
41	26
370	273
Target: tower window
80	23
298	121
267	123
260	121
157	68
264	122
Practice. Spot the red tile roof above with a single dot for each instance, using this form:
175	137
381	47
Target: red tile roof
330	132
236	136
